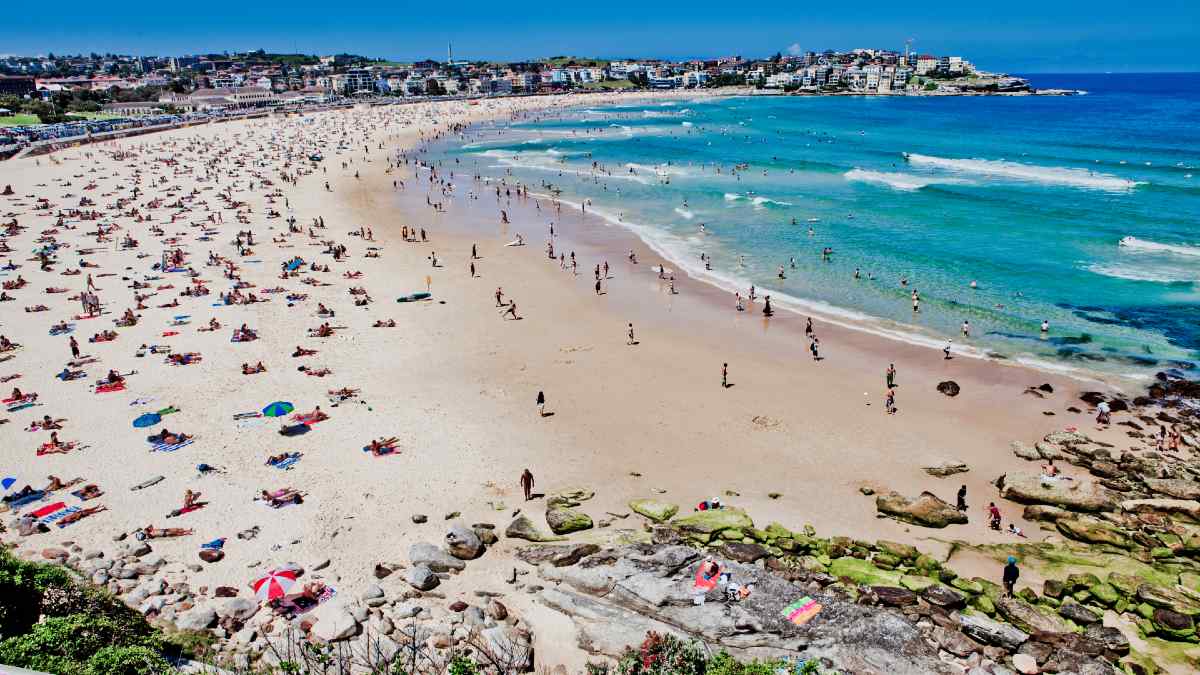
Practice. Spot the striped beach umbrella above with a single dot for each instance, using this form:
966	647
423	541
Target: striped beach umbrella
278	409
276	584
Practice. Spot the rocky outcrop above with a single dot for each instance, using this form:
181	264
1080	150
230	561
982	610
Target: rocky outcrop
564	520
523	528
945	468
702	526
615	597
655	510
434	558
1074	495
927	510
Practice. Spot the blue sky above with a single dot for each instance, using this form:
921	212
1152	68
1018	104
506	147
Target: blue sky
1016	36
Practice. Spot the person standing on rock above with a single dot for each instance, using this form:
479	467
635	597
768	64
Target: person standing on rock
527	484
1011	574
962	498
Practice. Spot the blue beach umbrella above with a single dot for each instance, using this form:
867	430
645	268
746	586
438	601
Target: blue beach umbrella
278	409
147	420
7	483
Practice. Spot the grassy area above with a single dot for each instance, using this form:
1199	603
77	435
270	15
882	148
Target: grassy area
19	120
559	61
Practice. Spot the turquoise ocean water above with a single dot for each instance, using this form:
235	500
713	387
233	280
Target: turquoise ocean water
1082	211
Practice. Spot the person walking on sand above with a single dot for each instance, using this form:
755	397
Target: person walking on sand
597	285
499	296
1011	574
74	348
889	402
962	498
724	375
541	403
632	340
527	484
946	349
472	269
512	310
890	374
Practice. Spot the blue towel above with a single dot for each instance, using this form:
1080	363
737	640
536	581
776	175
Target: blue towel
286	463
163	447
28	499
215	544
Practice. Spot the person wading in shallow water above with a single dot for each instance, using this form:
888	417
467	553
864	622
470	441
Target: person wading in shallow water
527	484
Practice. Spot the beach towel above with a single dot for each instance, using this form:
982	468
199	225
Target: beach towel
164	447
67	377
79	495
28	499
294	430
59	515
109	388
145	484
307	419
288	463
251	422
170	333
21	406
215	544
802	611
47	510
384	451
187	509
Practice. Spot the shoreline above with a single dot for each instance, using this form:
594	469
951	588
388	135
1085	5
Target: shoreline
456	384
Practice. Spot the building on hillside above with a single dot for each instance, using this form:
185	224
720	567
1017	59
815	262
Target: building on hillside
358	80
230	98
17	86
131	108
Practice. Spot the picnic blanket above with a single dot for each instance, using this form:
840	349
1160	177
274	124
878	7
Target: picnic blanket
165	447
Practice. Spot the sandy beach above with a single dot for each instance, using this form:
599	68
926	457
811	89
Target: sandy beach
454	382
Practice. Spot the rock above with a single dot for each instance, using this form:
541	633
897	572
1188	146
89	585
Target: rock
1077	612
891	596
944	597
373	595
406	611
949	388
382	571
421	578
743	553
54	554
862	572
333	623
569	498
1167	598
955	642
559	556
946	468
486	534
1025	664
992	632
463	543
497	610
1044	514
419	518
1173	625
1182	509
237	608
422	553
1112	639
1024	451
458	606
655	510
563	520
1093	531
513	644
319	564
1027	617
523	528
703	526
196	618
1074	495
927	510
1178	488
212	556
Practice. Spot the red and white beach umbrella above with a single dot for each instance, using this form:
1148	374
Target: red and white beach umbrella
276	584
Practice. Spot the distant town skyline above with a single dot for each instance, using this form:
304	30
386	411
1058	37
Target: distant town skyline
1018	36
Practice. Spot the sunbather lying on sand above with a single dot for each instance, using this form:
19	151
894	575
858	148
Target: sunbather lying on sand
89	491
281	497
80	514
383	446
323	330
37	308
300	351
247	369
152	532
380	323
104	336
167	438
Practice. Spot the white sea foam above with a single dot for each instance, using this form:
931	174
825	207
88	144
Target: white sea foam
1048	175
685	213
899	181
687	124
758	201
1146	246
1157	274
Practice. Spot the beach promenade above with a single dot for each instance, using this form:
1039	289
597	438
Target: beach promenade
452	384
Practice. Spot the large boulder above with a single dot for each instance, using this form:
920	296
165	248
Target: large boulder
1029	618
1074	495
1168	598
1173	625
523	528
333	623
1108	637
559	556
655	510
565	521
1178	488
463	543
1077	612
1093	531
927	510
423	553
1181	509
862	572
703	526
743	553
992	632
196	618
238	609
